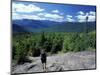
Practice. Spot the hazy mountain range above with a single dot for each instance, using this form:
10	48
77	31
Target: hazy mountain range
27	25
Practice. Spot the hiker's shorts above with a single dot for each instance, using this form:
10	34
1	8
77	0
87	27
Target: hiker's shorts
43	60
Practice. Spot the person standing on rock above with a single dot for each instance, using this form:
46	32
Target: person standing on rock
43	56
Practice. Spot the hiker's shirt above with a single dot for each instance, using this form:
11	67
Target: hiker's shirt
43	57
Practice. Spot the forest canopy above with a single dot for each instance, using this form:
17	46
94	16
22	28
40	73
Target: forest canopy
30	44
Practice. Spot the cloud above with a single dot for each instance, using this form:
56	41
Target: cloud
70	18
16	16
39	16
90	15
55	16
81	13
81	18
52	17
19	7
31	11
91	18
56	11
31	17
25	16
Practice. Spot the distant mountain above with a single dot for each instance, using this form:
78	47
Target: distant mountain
34	23
27	25
73	27
16	28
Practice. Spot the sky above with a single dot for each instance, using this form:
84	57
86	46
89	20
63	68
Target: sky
52	12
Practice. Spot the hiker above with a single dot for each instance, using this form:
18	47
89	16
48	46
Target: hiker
43	59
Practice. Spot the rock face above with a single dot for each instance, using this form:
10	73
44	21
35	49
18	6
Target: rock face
59	62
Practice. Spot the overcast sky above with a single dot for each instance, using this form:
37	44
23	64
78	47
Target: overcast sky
52	12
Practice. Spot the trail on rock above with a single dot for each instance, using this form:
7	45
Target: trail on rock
59	62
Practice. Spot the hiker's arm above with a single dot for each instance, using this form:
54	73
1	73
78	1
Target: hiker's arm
40	55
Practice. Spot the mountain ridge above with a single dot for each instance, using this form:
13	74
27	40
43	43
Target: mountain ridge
27	25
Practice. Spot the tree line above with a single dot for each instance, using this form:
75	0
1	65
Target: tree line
30	44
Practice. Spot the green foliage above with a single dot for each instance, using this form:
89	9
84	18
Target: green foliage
30	44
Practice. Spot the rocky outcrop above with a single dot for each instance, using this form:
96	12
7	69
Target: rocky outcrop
59	62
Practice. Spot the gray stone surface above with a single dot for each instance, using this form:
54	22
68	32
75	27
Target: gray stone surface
59	62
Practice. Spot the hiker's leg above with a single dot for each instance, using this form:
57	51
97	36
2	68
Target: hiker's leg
45	65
